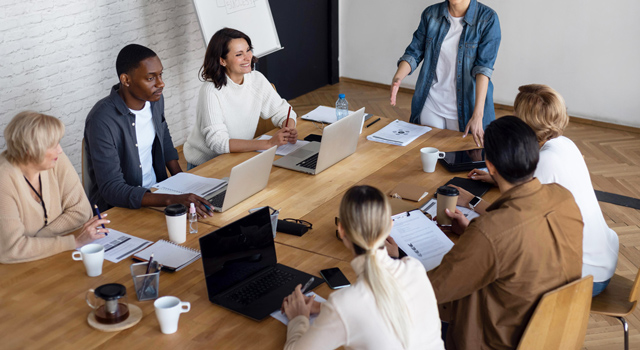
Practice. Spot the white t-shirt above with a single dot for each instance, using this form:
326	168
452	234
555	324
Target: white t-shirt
441	99
561	162
145	134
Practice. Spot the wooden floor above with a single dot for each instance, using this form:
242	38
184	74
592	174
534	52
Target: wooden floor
613	158
612	154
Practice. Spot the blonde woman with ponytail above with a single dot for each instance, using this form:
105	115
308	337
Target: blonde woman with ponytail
390	306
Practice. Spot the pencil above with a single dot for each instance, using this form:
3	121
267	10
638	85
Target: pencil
286	124
95	206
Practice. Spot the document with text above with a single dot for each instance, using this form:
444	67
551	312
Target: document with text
182	183
286	148
420	238
119	245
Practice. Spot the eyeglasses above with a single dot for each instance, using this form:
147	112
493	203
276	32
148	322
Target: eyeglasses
307	224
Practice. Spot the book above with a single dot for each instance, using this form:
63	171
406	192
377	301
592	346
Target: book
172	256
410	192
399	133
182	183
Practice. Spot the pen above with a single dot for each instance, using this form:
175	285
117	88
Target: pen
373	122
95	206
286	124
149	264
307	285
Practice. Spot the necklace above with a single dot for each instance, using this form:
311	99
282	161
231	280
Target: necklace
44	208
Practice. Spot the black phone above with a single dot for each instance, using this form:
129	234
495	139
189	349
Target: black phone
334	278
313	137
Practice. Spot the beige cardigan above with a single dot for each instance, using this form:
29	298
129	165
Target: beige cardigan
23	236
351	319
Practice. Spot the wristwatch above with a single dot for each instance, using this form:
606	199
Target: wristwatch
474	202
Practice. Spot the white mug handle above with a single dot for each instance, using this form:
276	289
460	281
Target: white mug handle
183	304
441	155
76	258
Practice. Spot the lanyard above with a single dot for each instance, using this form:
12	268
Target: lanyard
46	221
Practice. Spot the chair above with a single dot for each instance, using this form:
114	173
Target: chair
618	300
86	180
560	319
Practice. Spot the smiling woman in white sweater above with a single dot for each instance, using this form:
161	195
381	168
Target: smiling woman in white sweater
232	99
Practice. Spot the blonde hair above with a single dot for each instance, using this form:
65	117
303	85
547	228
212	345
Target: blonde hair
543	109
365	217
28	136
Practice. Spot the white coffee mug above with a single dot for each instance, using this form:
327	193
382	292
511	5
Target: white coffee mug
430	156
168	310
92	255
176	215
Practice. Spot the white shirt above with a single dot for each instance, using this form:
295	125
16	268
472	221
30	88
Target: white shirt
350	317
145	134
442	97
233	113
561	162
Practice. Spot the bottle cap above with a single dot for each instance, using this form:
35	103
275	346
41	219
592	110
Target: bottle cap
192	208
341	96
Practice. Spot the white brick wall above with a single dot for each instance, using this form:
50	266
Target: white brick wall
58	57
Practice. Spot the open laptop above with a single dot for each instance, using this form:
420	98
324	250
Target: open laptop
339	140
241	269
246	179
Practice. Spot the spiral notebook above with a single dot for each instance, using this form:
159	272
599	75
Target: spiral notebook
172	256
181	183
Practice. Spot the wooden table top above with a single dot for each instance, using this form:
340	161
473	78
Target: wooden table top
42	303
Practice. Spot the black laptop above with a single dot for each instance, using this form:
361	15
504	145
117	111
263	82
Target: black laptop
463	160
241	269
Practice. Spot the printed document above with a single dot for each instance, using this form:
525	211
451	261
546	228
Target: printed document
420	238
283	317
182	183
119	245
322	114
399	133
284	149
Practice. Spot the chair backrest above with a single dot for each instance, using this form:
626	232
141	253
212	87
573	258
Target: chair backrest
86	180
635	290
561	317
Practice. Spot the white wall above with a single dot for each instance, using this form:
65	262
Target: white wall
58	57
587	50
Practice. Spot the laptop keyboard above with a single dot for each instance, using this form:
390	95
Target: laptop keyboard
309	163
218	199
269	282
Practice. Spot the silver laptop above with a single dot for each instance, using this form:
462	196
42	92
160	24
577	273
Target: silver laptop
246	179
339	140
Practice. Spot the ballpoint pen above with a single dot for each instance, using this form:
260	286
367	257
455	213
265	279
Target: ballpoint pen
373	122
95	206
307	285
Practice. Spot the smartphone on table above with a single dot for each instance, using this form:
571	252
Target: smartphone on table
334	278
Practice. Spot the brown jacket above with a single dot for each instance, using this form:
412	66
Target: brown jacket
528	243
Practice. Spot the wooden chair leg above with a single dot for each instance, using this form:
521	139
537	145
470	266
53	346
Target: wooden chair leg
625	325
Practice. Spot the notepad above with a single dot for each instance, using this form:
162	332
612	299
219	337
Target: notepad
172	256
399	133
182	183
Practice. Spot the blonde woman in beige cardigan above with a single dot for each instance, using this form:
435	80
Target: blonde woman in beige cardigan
41	198
390	306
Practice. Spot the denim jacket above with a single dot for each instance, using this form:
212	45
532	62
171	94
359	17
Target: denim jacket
477	52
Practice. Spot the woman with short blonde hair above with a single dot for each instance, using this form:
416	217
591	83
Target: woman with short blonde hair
390	306
543	109
41	198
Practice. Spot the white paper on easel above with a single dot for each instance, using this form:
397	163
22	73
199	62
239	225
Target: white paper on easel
420	238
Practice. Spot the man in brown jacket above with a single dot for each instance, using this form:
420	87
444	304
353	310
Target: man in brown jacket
528	243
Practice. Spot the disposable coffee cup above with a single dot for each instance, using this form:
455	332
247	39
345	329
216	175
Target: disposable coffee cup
92	255
168	310
429	157
447	199
176	215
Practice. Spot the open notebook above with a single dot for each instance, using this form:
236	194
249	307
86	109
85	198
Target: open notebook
172	256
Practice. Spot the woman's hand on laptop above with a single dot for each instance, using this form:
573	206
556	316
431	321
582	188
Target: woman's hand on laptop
203	207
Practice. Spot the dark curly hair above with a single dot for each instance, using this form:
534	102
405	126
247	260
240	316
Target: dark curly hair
218	47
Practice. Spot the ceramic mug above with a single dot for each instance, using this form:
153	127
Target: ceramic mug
92	255
168	310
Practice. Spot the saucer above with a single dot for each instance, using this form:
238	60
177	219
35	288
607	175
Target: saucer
135	315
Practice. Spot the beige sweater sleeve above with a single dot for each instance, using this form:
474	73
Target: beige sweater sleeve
19	240
327	332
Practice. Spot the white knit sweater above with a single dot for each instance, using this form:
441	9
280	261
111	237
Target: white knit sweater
232	113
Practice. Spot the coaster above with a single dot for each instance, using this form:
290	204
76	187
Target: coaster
135	315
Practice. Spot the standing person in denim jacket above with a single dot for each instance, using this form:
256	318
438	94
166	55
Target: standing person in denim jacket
458	41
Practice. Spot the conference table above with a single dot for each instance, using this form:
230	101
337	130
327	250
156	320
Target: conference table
42	302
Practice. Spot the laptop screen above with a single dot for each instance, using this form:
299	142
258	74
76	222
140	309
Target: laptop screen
234	252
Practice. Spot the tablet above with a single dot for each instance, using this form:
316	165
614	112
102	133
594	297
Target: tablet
464	160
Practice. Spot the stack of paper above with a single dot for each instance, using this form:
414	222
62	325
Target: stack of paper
285	149
182	183
322	114
399	133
